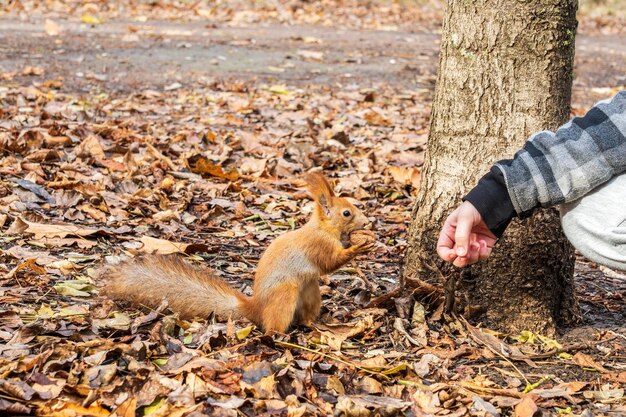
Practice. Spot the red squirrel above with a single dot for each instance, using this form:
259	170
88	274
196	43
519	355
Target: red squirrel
286	287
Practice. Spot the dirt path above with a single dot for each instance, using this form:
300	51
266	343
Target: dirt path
122	56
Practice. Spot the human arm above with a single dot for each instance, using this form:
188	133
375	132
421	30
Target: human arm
555	167
552	168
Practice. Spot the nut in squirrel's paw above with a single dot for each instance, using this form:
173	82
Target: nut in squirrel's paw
362	237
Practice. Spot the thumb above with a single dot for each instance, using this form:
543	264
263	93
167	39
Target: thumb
464	226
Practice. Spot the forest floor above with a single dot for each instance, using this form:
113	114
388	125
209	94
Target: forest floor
183	128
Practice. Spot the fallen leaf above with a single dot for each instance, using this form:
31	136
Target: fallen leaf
51	27
91	20
28	70
406	175
369	405
75	288
526	407
585	361
164	247
41	230
203	166
312	55
335	334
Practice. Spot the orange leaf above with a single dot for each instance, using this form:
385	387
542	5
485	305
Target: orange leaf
526	407
585	361
203	166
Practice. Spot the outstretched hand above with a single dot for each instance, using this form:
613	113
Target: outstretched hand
465	238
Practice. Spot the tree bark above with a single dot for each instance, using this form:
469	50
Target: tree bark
505	72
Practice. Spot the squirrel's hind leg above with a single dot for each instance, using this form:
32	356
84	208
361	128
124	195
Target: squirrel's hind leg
310	303
278	312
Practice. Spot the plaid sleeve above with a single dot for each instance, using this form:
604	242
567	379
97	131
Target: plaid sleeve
554	168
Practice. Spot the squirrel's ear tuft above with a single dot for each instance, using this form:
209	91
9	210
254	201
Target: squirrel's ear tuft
320	189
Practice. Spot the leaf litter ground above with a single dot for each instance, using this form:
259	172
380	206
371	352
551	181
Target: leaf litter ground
132	128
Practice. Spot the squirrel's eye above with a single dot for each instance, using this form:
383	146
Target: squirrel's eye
346	213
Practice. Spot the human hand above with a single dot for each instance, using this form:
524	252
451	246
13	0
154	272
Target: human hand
465	238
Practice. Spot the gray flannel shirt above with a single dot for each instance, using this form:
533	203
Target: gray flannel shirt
555	167
560	167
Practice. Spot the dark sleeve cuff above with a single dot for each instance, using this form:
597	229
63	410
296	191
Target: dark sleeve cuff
491	199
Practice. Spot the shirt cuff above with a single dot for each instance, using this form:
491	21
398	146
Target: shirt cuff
491	199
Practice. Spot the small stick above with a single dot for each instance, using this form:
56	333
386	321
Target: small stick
332	357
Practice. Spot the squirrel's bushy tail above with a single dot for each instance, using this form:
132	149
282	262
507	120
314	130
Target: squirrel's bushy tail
189	291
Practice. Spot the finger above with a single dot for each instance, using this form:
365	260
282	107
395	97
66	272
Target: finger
474	254
448	255
462	233
445	248
460	261
445	243
485	251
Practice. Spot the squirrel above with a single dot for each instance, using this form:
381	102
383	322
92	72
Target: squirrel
286	289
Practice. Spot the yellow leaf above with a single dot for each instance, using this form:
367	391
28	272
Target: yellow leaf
395	369
279	89
45	312
91	20
156	404
243	333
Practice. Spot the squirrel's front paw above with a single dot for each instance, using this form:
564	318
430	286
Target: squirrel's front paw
363	240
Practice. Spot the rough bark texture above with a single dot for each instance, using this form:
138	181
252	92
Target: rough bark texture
505	72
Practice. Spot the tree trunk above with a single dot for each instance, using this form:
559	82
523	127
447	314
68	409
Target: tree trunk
505	72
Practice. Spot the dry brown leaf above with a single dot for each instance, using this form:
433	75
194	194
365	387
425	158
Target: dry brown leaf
526	407
370	385
42	230
406	175
203	166
253	166
126	409
28	70
74	410
370	405
91	147
616	377
14	408
376	119
335	334
51	27
164	247
585	361
30	264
